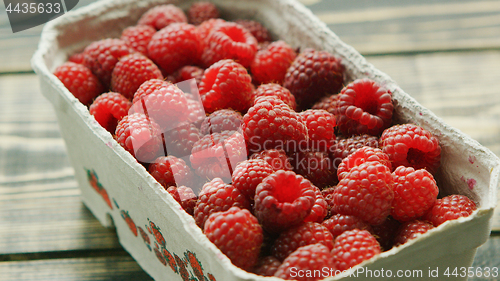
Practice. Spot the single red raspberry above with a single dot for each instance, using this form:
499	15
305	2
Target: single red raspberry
184	196
277	158
108	109
411	230
201	11
102	56
237	234
310	260
162	16
270	123
170	170
328	103
248	174
256	29
315	166
270	63
450	207
338	223
307	233
385	232
320	127
320	208
140	136
216	196
282	200
364	107
412	146
80	81
313	75
275	90
131	71
353	247
226	84
345	146
229	40
360	156
180	140
267	266
207	26
217	154
415	192
175	46
188	72
137	37
162	101
76	58
365	192
220	121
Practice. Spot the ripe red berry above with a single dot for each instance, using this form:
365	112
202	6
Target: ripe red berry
411	146
320	127
137	37
196	112
162	15
282	200
345	146
314	166
353	247
267	266
220	121
450	207
201	11
360	156
80	81
364	107
328	103
338	223
365	192
256	29
170	170
184	196
188	72
411	230
131	71
320	208
108	109
248	174
207	26
275	90
277	158
271	63
180	140
237	234
76	58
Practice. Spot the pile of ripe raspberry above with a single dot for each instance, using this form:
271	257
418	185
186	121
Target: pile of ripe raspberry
281	160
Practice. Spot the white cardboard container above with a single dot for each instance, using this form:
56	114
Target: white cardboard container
164	239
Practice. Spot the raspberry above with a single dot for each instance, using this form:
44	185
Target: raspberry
277	158
282	200
412	146
162	16
256	29
216	155
202	11
237	234
365	192
189	72
207	26
320	208
162	101
140	136
102	56
415	192
307	233
385	232
248	174
216	196
226	84
275	90
229	40
328	195
315	166
328	103
270	123
180	140
170	170
137	37
184	196
220	121
196	113
108	109
360	156
450	207
76	58
313	75
131	71
338	223
320	126
353	247
267	266
345	146
411	230
311	259
80	81
175	46
270	63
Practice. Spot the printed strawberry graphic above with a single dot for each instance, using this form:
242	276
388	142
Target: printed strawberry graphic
171	260
195	264
160	257
94	182
129	221
182	268
145	237
157	234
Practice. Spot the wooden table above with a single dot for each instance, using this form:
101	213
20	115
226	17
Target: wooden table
444	53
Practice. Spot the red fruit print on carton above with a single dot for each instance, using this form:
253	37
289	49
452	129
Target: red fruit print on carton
129	222
94	182
157	233
170	260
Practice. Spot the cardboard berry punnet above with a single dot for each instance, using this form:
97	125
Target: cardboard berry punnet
163	238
